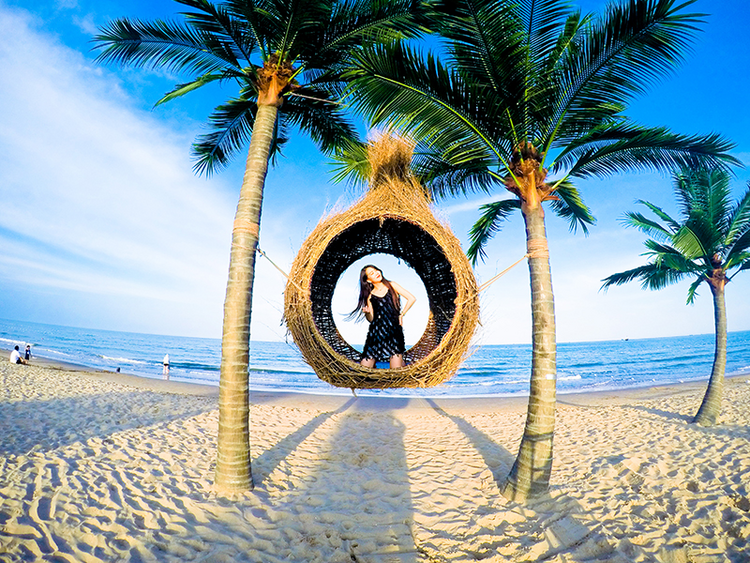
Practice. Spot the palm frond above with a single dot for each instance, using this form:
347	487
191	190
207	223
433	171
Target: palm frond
709	234
351	163
736	252
688	243
569	41
170	46
218	21
443	178
490	222
741	261
662	277
181	89
543	20
687	191
556	124
693	289
697	246
622	52
739	219
359	22
232	124
661	214
395	86
300	18
505	46
570	206
647	226
653	276
261	21
326	126
627	147
712	202
621	278
704	198
484	39
670	257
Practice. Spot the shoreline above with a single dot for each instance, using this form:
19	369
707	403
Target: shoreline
336	400
137	381
314	387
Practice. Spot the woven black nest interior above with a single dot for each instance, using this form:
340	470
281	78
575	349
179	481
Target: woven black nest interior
404	240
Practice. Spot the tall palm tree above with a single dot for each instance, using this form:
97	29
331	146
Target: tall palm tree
284	56
529	95
711	241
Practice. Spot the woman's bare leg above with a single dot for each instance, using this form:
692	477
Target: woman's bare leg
368	362
397	361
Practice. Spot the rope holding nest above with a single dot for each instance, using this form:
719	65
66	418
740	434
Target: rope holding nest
392	218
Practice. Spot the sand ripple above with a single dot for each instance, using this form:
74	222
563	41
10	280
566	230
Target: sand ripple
96	471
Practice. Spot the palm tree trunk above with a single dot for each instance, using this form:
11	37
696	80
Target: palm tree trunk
711	406
531	471
233	471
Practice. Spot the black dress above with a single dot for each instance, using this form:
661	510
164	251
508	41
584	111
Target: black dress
385	338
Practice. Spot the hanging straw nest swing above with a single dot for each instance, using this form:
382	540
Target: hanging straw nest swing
393	218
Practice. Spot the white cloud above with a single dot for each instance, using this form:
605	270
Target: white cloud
98	196
86	24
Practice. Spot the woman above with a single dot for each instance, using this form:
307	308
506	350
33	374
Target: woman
380	302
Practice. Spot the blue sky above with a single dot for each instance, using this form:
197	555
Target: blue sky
104	225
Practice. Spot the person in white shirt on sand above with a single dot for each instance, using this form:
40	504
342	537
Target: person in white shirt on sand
15	357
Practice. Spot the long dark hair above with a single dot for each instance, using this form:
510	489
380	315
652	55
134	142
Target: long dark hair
365	289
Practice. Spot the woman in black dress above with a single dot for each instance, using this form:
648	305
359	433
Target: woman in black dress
380	302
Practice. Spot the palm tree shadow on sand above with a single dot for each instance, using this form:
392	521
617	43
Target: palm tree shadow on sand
686	418
729	430
552	524
266	462
497	458
656	412
351	496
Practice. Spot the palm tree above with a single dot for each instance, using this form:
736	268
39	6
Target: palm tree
531	90
712	240
284	56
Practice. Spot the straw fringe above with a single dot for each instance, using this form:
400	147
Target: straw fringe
393	217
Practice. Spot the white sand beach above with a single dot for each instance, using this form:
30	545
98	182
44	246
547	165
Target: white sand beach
108	467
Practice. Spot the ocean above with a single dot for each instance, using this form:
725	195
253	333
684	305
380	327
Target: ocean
501	370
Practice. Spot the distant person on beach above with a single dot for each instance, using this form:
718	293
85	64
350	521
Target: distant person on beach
15	357
380	303
28	353
165	371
